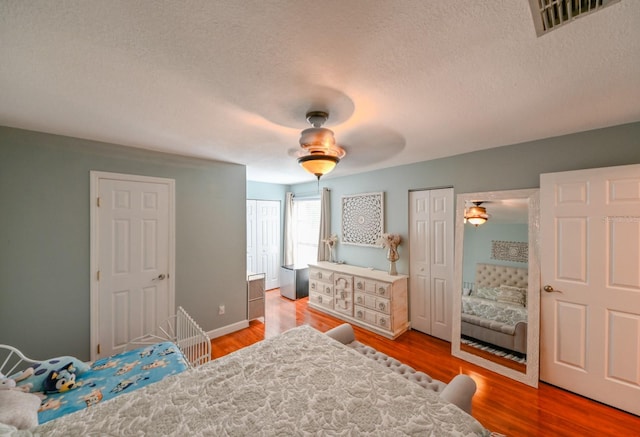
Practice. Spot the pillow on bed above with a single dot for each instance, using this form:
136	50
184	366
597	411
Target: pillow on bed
19	409
42	370
487	293
512	295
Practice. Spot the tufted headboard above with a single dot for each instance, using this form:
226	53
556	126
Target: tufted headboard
491	275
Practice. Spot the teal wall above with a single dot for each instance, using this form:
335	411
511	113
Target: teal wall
504	168
44	225
264	191
44	232
477	245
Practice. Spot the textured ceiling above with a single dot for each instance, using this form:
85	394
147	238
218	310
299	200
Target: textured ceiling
404	81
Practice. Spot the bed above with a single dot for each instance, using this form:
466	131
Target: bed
494	308
65	384
301	382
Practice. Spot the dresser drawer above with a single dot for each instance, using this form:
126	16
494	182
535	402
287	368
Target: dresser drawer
321	275
383	289
256	308
365	285
320	287
372	287
364	314
321	299
383	321
326	289
383	305
373	302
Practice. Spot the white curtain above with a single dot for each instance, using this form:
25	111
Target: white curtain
325	224
288	229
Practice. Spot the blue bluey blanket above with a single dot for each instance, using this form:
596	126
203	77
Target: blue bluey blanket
112	376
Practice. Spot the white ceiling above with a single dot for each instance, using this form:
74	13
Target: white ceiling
231	80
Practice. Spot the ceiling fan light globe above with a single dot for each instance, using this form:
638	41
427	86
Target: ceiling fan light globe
476	215
476	221
318	164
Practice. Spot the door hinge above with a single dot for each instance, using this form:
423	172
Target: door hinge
98	202
98	349
98	275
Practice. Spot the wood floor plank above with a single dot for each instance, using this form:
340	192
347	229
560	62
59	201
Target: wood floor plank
500	404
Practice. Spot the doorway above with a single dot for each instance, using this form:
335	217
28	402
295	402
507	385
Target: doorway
590	304
132	258
263	240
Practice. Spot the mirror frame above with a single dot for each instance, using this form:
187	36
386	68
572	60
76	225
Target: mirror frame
531	376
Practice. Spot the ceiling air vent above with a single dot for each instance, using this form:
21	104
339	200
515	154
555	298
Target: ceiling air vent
550	14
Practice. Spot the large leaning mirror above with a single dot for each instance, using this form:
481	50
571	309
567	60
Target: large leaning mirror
497	283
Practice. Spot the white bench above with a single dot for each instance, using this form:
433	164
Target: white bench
459	391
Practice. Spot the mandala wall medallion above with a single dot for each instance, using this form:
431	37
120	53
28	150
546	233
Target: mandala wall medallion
513	251
362	219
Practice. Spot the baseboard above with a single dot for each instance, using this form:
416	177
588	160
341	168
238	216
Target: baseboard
228	329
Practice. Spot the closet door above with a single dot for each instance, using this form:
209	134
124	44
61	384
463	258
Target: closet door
431	262
263	240
252	252
268	241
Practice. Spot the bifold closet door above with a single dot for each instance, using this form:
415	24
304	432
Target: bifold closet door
263	240
431	264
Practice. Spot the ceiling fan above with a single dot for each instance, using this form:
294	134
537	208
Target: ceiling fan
360	142
476	215
320	153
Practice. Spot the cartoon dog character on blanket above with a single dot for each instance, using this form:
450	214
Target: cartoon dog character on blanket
93	398
61	380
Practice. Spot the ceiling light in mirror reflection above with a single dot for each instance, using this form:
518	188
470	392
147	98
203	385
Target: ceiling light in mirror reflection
476	215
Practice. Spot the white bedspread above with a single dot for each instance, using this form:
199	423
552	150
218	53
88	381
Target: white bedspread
299	383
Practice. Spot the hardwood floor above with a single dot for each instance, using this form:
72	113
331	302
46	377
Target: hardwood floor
500	404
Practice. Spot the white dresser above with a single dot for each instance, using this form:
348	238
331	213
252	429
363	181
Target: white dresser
371	299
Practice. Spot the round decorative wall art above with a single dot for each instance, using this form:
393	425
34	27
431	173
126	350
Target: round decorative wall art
362	219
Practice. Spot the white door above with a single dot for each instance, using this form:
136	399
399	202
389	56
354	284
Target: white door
590	304
268	241
132	258
431	261
252	251
263	240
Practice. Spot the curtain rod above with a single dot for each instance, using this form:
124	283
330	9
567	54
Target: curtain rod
309	194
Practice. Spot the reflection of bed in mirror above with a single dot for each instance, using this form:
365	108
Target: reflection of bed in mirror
495	311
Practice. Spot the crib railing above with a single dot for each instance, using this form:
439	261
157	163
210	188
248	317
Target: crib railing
182	330
194	343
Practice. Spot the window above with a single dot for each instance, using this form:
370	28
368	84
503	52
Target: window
306	220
